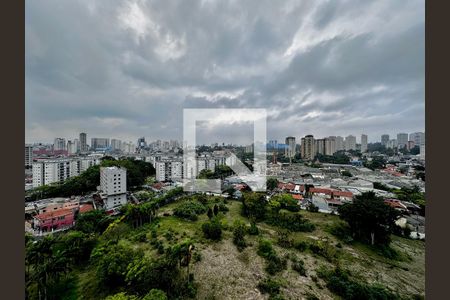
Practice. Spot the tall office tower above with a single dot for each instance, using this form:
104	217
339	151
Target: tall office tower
418	138
392	144
385	139
340	143
28	155
113	184
330	145
308	147
363	143
320	146
59	144
402	140
350	142
83	142
99	143
116	145
290	150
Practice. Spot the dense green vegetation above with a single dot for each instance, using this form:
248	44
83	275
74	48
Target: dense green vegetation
370	219
88	181
337	158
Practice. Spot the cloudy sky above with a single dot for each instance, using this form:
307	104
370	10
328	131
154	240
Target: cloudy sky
124	69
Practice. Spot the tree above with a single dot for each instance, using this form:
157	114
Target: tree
155	294
254	205
238	235
216	209
121	296
272	183
212	230
210	213
369	218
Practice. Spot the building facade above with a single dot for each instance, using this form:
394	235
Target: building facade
113	184
308	150
363	143
83	142
28	155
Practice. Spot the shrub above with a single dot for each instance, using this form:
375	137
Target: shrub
299	266
189	210
265	248
253	230
301	245
275	264
238	236
269	286
212	230
284	240
155	294
291	221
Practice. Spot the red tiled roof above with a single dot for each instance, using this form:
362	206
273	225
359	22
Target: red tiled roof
297	197
286	186
85	208
320	190
343	193
55	213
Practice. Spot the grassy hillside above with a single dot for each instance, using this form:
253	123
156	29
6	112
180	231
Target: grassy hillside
221	271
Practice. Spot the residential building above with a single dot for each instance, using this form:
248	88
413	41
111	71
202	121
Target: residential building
418	138
59	144
308	150
99	143
320	146
330	145
141	143
116	145
392	144
169	169
28	155
350	142
113	184
422	151
402	140
340	143
48	171
363	143
290	151
83	142
385	139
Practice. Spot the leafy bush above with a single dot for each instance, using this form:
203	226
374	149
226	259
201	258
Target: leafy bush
339	282
342	231
265	248
269	286
299	266
212	230
284	240
292	221
301	245
253	230
155	294
275	264
239	236
189	210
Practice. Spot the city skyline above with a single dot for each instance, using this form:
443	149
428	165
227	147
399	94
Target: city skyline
130	68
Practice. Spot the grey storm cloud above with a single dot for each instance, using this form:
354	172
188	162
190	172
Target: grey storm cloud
124	69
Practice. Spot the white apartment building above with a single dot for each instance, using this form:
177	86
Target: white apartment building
350	142
402	140
290	149
330	145
48	171
169	169
59	144
339	143
363	143
113	184
308	147
418	138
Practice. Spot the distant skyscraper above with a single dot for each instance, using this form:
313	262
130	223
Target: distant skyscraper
116	144
385	139
141	143
71	147
350	142
308	150
290	150
59	144
363	143
273	145
99	143
28	155
422	151
340	143
320	146
83	142
402	140
418	138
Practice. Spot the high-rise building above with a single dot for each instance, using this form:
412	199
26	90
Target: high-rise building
113	184
402	140
273	145
385	139
290	150
320	146
422	151
350	142
141	143
308	150
99	143
330	145
83	142
28	155
59	144
340	143
116	145
71	147
363	143
418	138
392	144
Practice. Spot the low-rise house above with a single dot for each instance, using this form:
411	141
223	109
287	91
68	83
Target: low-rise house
54	220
